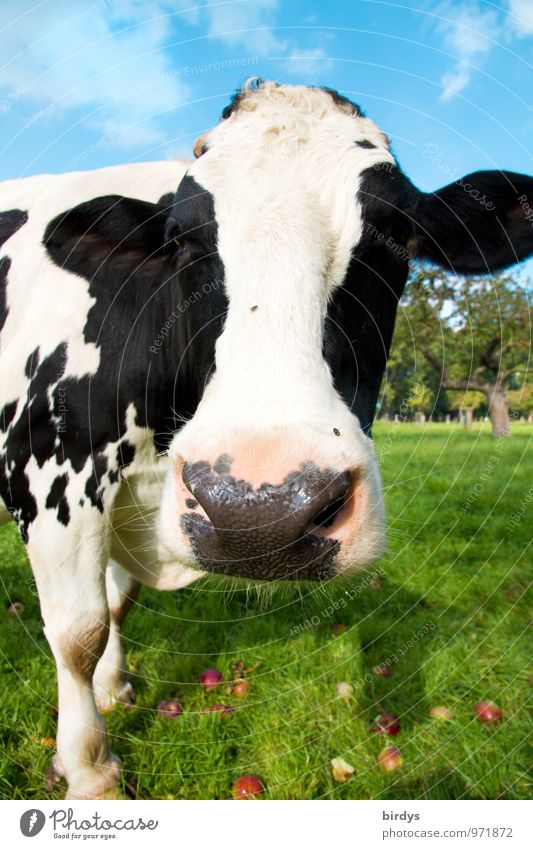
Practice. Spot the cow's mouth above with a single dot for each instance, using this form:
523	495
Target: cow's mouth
310	558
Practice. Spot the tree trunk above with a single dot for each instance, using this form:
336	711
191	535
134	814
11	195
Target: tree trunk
468	417
498	411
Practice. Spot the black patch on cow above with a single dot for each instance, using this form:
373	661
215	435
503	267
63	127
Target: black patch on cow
343	102
125	453
8	414
361	314
142	284
32	364
93	487
365	144
5	265
32	433
11	221
138	281
57	499
166	200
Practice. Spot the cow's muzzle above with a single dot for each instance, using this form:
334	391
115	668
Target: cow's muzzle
269	532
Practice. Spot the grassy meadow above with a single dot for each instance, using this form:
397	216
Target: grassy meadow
448	608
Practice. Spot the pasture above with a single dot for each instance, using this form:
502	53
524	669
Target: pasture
451	615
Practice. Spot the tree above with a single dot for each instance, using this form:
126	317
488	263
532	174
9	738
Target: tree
475	333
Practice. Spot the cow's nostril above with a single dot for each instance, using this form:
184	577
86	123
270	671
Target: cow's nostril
328	514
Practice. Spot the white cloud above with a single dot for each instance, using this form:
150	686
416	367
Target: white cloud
104	63
69	55
520	18
250	26
454	81
311	61
247	25
469	32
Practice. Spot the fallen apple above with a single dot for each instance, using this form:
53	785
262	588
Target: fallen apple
209	678
341	770
488	712
382	670
389	759
344	690
375	584
386	723
241	689
441	712
247	787
170	708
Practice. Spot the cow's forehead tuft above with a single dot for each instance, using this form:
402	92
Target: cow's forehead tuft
258	94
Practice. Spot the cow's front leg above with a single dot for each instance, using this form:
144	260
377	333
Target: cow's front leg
70	574
110	681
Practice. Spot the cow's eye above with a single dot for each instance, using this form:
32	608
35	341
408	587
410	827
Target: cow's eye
181	244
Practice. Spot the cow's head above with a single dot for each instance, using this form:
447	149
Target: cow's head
294	228
297	203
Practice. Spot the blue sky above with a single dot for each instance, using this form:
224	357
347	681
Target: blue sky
86	83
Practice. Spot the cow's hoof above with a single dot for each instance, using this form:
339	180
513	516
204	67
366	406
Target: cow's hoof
54	774
96	782
106	699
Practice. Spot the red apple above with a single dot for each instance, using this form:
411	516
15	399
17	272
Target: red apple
386	723
389	759
247	787
375	584
241	689
488	712
170	708
209	678
382	670
441	712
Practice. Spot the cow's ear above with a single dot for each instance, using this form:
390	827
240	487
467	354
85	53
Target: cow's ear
107	229
481	223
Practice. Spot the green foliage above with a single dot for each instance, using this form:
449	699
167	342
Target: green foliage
457	571
420	397
521	400
457	334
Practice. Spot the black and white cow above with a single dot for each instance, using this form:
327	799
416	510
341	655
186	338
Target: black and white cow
256	304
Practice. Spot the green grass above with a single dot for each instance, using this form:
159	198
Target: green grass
459	576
